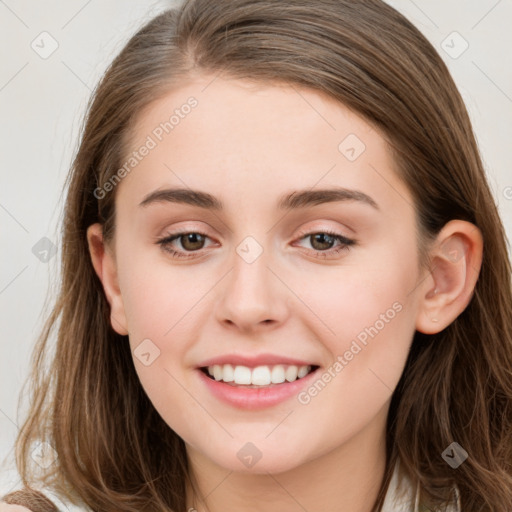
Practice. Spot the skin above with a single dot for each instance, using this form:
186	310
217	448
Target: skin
247	145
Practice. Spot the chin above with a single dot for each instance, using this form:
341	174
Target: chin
254	458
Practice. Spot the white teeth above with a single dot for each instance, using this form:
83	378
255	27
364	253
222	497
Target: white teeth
217	372
259	376
278	374
228	373
302	372
291	373
242	375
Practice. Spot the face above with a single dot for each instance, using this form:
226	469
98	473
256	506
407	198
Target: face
303	254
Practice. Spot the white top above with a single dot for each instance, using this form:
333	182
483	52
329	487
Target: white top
400	497
10	482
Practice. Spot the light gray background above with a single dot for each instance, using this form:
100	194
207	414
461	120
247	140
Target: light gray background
42	102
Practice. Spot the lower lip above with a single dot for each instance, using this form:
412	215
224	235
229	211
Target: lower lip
255	398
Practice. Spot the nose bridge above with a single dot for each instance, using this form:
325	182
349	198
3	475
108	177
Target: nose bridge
252	295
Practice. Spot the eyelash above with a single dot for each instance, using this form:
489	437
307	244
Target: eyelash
345	243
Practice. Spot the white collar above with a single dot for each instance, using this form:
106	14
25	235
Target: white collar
401	496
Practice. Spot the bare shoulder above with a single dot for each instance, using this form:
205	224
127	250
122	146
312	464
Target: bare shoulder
5	507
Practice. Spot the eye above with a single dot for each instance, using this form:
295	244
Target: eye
190	241
323	243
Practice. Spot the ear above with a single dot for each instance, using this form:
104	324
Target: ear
104	264
456	258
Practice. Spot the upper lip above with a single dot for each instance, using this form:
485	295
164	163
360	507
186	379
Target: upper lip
254	361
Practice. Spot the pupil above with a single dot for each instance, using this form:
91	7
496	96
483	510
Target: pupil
191	238
323	236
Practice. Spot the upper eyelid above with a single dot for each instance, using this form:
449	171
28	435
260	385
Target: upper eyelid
301	234
340	237
321	229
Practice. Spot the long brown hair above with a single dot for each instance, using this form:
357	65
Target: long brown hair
113	449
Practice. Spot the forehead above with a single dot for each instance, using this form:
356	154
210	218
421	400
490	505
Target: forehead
236	136
285	116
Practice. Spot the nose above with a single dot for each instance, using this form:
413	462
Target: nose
252	297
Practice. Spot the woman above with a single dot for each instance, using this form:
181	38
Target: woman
285	281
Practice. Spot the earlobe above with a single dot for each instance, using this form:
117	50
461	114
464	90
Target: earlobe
104	265
456	258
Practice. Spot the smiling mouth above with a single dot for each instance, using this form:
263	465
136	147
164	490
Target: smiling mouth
258	377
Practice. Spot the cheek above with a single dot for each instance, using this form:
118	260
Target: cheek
155	293
369	352
367	324
366	291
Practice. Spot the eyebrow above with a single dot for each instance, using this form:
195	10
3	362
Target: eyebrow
293	201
